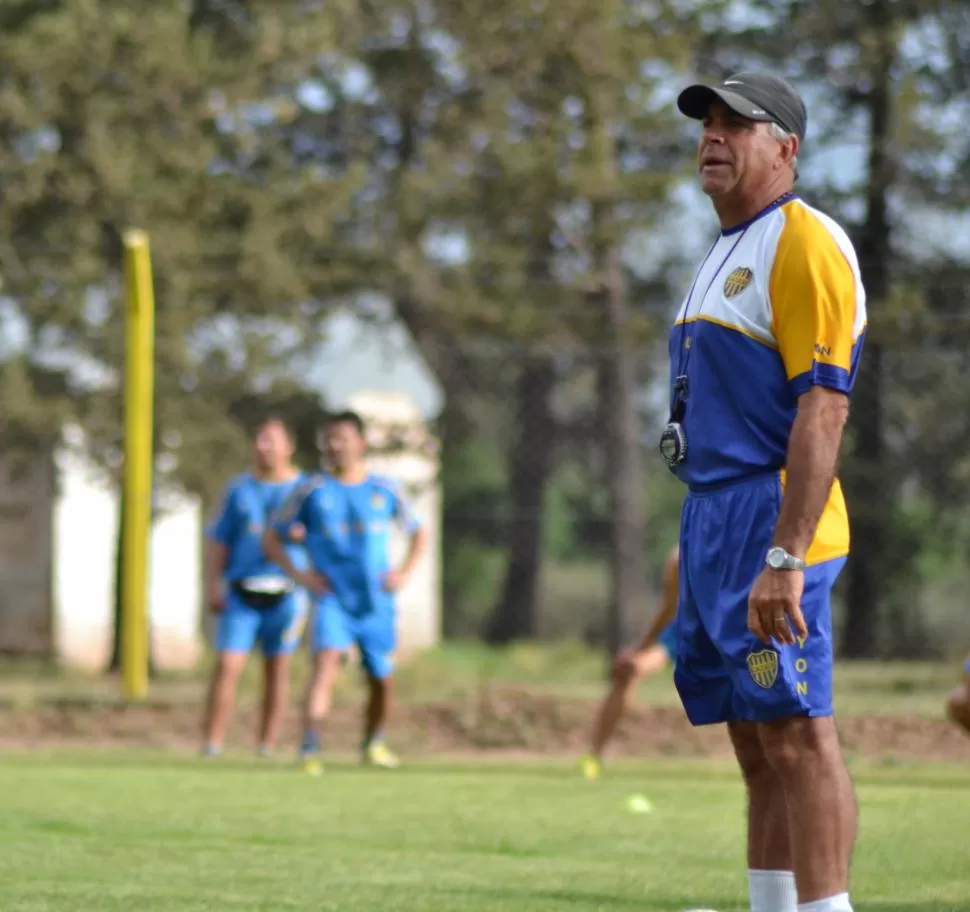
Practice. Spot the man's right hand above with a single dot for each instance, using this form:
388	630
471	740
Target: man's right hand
215	597
626	666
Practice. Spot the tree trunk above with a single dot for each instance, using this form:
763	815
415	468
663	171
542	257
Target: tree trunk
624	465
516	614
868	488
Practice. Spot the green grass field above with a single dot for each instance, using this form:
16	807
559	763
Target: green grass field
92	824
120	831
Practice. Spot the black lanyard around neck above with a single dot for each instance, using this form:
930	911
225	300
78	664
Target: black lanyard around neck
682	357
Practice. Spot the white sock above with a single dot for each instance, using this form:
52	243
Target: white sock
773	891
838	903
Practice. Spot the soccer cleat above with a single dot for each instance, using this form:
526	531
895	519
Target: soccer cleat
592	767
377	753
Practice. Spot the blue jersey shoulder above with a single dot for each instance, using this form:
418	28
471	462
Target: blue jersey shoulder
400	505
293	503
385	483
222	526
239	481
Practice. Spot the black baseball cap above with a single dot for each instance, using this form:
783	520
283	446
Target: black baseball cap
756	96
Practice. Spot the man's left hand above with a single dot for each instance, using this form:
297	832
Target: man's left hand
775	599
395	580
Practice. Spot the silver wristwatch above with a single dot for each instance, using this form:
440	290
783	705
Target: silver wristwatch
779	559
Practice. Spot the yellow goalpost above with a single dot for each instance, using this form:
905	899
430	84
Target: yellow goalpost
138	462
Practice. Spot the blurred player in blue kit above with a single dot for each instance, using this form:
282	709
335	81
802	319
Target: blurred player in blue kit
347	516
255	601
656	651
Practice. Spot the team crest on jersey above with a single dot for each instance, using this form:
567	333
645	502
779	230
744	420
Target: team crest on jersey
737	281
763	667
377	501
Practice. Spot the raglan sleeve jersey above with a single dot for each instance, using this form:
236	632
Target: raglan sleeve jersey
818	306
818	311
777	308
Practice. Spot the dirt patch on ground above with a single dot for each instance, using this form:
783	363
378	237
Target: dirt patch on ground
501	720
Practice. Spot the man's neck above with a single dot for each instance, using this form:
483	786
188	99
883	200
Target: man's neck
276	476
734	212
352	474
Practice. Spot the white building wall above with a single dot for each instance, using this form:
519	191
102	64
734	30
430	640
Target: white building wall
85	528
175	584
84	520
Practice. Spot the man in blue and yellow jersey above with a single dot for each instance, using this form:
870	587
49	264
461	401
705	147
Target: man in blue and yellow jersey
254	599
764	354
958	704
347	516
653	653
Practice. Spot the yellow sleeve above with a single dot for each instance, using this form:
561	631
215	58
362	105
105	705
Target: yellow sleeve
814	306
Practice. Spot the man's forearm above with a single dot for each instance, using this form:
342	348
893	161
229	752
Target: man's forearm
656	627
274	550
813	454
415	550
661	620
215	563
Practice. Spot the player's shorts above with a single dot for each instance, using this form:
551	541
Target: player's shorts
374	635
723	672
668	641
277	629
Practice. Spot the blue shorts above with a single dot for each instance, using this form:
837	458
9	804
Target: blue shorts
668	641
277	630
723	672
374	635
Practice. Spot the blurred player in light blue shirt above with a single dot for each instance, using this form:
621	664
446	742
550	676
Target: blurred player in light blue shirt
255	601
347	517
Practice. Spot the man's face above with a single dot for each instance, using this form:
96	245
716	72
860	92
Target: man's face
344	445
734	154
272	447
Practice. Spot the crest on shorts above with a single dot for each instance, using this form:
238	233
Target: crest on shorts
737	281
763	667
